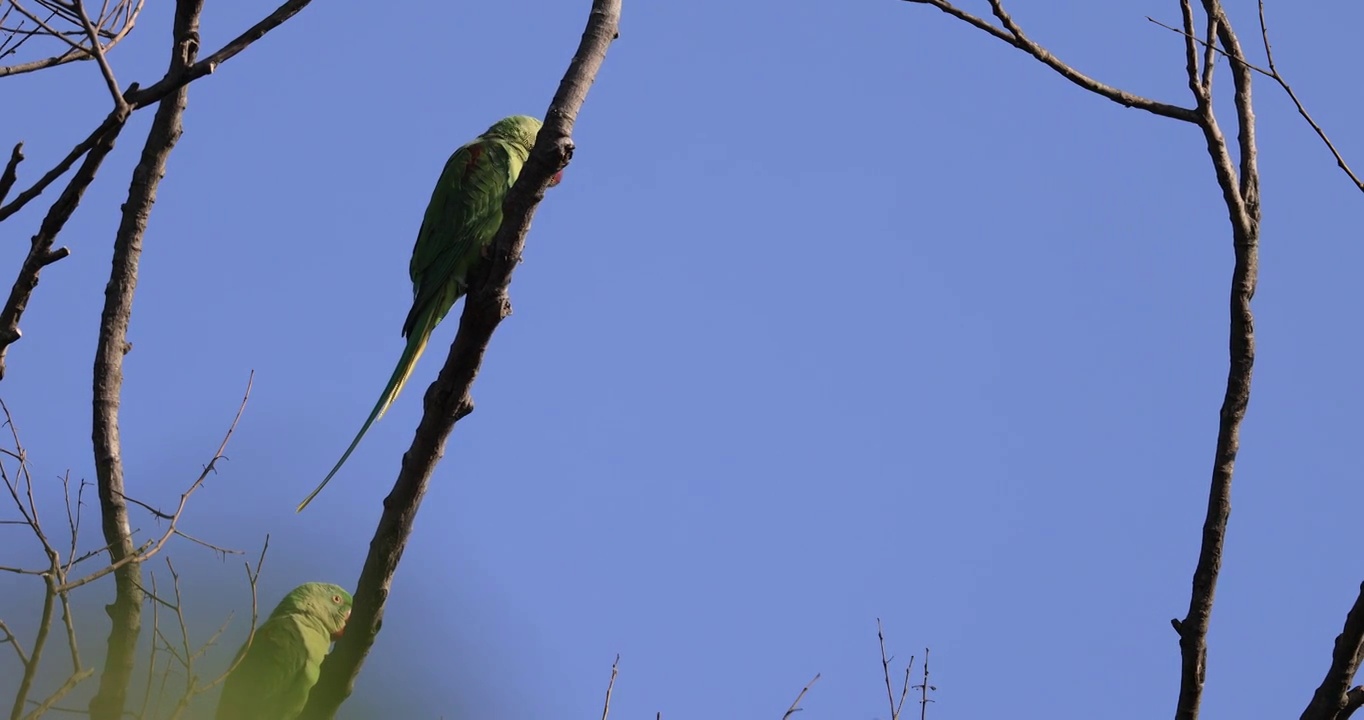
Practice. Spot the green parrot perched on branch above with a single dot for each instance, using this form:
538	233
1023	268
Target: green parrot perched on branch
461	219
276	671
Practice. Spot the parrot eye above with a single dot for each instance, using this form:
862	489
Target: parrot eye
336	599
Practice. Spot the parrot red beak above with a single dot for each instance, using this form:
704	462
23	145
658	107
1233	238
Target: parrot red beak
558	178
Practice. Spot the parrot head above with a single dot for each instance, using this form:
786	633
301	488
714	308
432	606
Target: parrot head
327	602
521	130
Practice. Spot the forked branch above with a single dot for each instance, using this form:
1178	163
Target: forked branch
1239	182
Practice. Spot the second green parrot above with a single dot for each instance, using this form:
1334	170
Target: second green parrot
277	670
461	219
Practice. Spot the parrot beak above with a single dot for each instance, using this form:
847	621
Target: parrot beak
558	178
341	630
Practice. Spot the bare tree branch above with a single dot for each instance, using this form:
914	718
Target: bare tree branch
1274	73
113	24
1240	192
1013	35
110	124
126	610
208	65
138	98
71	682
95	49
1332	696
40	253
35	659
151	548
795	704
885	671
448	399
252	579
94	148
610	685
13	641
1241	196
11	172
924	687
1209	54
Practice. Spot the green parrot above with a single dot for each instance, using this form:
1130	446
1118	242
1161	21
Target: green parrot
281	664
461	219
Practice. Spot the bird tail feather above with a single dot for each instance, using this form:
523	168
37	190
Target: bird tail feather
416	343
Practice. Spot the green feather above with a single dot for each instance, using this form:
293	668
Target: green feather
275	672
461	219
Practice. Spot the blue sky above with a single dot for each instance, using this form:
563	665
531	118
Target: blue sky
841	312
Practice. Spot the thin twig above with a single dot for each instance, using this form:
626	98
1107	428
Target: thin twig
1212	47
606	706
13	641
151	547
114	26
885	670
72	681
1274	73
923	688
1013	35
35	659
251	579
98	52
795	704
138	98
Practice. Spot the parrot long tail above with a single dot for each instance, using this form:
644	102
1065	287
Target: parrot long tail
416	343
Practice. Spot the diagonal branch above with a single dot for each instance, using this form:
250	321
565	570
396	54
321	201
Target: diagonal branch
1333	695
94	148
448	399
795	704
81	148
40	253
610	685
98	52
1274	73
11	172
1013	35
208	65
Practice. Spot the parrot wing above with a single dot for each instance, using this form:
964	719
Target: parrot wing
463	215
280	667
